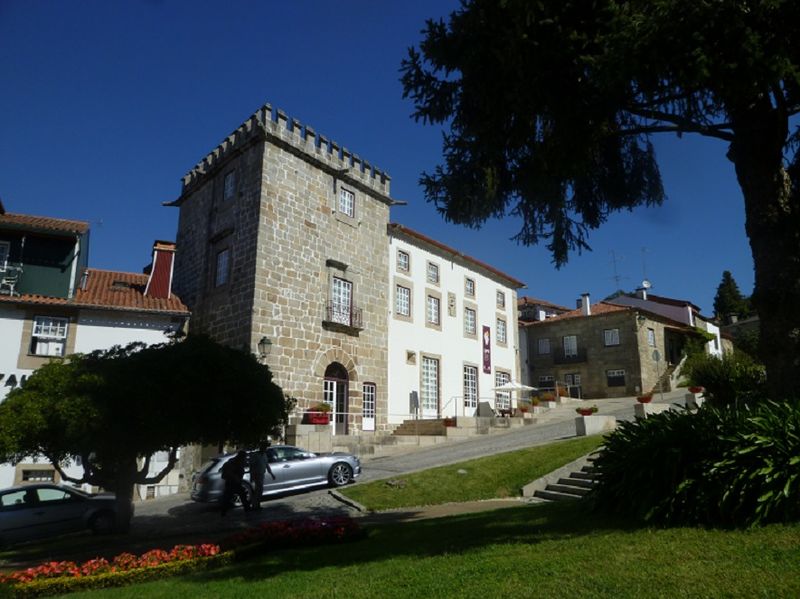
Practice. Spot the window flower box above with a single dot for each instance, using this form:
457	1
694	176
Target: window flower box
647	398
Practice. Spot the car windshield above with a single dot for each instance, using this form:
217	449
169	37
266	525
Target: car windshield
211	465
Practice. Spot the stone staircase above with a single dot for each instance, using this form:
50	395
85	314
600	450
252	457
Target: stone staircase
569	483
422	427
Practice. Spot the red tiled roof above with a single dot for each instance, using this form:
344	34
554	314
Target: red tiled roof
43	223
516	283
109	290
597	309
526	299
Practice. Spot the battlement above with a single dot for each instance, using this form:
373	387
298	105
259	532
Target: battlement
277	128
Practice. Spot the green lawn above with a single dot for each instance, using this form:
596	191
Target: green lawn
534	551
492	477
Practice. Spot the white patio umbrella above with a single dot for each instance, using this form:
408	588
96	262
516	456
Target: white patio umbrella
514	387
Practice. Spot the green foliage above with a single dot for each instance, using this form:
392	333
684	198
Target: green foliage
729	299
715	467
733	379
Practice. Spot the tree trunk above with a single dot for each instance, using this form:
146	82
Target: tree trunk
773	228
123	489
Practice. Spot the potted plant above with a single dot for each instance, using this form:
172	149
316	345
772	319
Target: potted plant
586	411
646	398
318	414
696	389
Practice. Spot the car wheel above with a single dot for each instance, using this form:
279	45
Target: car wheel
248	495
102	523
340	474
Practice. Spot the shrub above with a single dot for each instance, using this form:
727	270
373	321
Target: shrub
733	379
718	466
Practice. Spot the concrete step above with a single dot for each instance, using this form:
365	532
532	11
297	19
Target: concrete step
577	482
556	496
585	475
568	489
589	469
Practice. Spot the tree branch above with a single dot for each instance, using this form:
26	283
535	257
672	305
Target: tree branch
680	124
173	458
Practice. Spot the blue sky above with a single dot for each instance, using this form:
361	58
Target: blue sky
105	105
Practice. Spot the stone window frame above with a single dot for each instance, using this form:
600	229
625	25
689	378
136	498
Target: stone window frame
219	252
229	185
369	404
29	361
615	377
564	346
501	299
438	358
346	202
433	294
476	369
611	337
504	396
474	308
338	214
400	268
546	378
59	323
430	268
504	341
539	346
651	337
406	284
469	290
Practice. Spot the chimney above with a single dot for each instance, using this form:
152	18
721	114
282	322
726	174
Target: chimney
641	293
585	305
159	284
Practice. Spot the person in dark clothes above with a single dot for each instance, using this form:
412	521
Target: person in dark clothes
259	466
232	473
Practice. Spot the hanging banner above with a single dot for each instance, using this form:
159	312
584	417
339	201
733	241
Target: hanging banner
487	351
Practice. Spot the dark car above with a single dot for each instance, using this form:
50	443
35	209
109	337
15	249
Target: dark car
42	510
295	469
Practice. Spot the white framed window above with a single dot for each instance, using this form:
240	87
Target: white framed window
544	346
369	390
433	273
229	186
403	261
433	310
347	202
402	300
470	322
615	378
501	299
5	250
222	273
470	386
610	337
341	300
570	346
651	337
502	398
469	287
430	383
501	330
49	336
546	381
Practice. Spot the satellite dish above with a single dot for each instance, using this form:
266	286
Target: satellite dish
646	284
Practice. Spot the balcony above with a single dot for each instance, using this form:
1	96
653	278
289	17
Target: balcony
342	318
10	276
559	357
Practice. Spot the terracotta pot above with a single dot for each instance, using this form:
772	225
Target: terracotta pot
585	411
644	398
317	418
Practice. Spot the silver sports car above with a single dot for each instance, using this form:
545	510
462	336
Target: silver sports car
295	469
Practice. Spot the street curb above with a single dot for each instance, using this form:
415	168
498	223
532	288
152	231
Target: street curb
347	501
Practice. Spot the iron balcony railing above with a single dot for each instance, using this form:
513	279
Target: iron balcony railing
343	314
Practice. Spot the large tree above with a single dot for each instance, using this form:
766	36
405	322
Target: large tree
114	409
551	105
729	299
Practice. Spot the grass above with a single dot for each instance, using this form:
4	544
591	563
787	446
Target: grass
544	550
492	477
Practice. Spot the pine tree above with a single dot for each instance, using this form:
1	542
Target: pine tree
729	299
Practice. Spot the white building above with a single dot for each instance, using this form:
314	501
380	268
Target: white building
453	332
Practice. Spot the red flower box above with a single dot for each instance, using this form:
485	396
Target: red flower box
317	418
585	411
644	398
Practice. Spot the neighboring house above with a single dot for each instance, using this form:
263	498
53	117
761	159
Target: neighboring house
285	238
605	350
452	333
57	306
530	310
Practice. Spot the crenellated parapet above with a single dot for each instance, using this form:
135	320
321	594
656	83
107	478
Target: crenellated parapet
276	127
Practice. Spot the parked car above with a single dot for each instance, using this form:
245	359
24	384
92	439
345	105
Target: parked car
42	510
295	469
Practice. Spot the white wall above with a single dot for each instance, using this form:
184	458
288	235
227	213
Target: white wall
713	348
11	321
449	344
102	330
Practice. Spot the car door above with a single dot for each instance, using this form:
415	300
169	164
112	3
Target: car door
292	467
60	510
17	520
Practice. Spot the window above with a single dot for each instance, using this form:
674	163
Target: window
347	202
546	381
402	300
470	324
570	346
433	310
39	476
430	383
611	337
469	287
369	400
651	337
5	249
223	268
470	386
403	261
501	299
229	186
615	378
341	300
49	336
502	398
501	331
544	346
433	273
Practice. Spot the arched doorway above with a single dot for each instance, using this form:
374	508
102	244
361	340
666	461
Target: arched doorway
335	395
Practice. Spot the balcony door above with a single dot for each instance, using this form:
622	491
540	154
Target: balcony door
336	396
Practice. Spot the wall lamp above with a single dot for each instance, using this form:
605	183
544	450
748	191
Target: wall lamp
264	347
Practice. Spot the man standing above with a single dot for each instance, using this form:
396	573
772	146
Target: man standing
259	465
232	473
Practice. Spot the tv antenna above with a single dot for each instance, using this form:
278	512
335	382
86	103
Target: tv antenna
617	278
